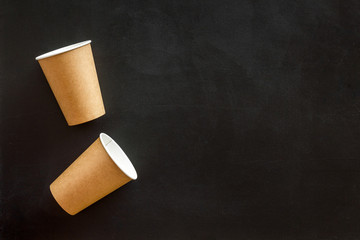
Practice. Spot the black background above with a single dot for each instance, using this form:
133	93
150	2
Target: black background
241	118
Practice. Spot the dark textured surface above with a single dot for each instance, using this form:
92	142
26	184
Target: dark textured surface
242	118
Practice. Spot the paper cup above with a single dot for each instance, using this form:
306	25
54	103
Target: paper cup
72	77
98	171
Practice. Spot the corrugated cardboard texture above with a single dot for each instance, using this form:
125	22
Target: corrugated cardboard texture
73	79
89	178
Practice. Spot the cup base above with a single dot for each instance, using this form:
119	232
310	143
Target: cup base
72	214
87	120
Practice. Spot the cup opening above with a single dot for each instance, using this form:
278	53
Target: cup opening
63	49
118	156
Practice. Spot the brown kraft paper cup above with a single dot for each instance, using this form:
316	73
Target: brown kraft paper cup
98	171
71	74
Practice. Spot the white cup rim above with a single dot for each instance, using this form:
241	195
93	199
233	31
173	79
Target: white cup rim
118	156
62	50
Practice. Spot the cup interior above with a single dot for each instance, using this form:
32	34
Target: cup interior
118	156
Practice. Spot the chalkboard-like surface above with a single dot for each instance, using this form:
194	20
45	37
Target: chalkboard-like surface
242	118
